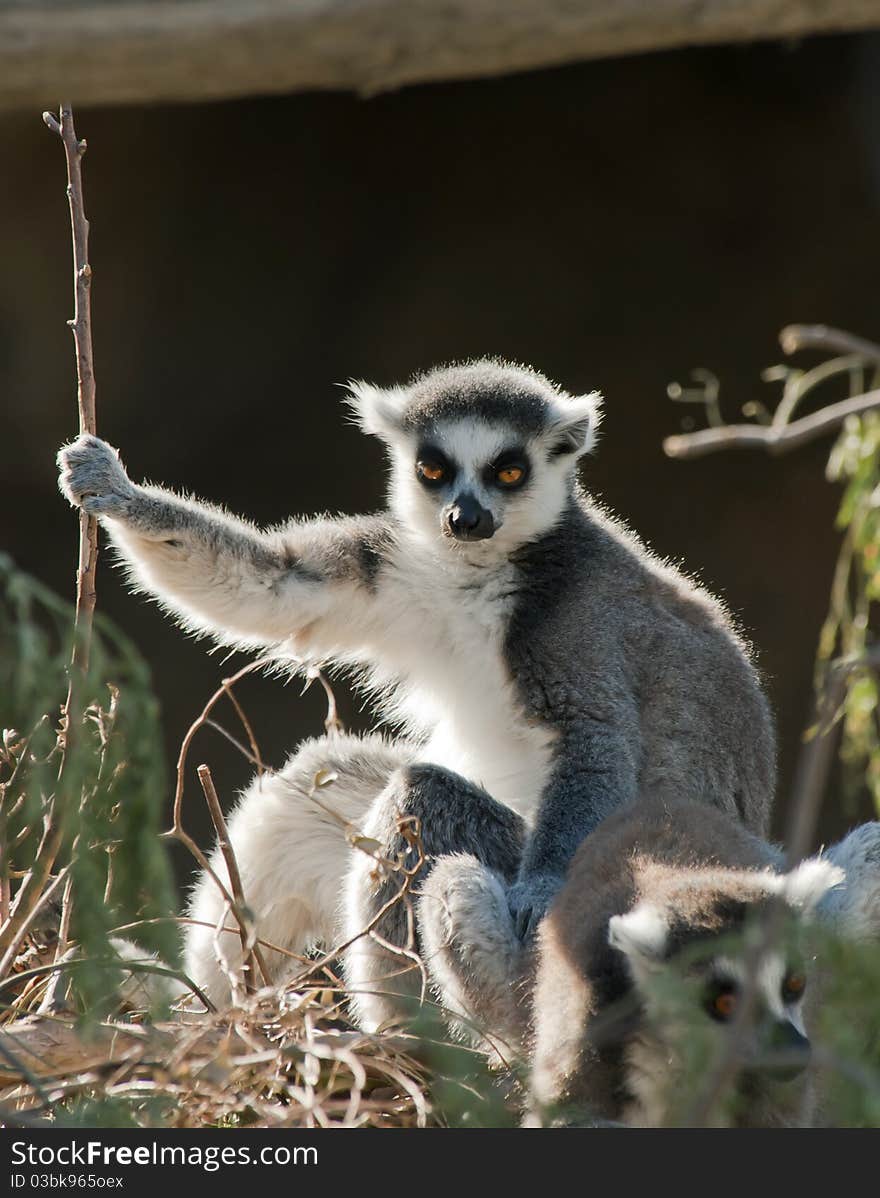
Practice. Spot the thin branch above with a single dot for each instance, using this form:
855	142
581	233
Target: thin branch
245	723
250	953
410	829
81	326
773	440
23	917
222	689
814	763
178	832
795	337
32	888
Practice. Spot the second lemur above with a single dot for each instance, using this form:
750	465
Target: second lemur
545	668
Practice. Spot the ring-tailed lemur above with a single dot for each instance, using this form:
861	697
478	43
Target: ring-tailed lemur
640	959
533	649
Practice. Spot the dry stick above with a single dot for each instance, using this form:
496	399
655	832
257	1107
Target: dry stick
248	953
178	832
762	436
783	436
85	374
819	336
245	723
11	951
410	829
814	764
32	887
222	689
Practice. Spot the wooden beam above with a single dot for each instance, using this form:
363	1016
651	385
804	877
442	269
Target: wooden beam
140	51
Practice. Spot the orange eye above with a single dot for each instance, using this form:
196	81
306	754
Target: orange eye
430	471
793	987
724	1004
510	475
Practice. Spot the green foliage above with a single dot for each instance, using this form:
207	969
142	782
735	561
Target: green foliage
846	633
847	1027
107	787
842	1014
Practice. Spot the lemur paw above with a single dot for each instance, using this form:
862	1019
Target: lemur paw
92	477
528	901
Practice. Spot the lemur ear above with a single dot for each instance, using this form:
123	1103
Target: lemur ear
809	882
641	936
377	410
573	432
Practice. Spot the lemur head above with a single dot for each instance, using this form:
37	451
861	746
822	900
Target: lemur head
689	933
482	454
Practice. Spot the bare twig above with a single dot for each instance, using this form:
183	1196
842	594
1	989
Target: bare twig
410	829
795	337
780	434
767	437
222	689
250	952
81	325
32	887
178	832
245	723
15	931
814	764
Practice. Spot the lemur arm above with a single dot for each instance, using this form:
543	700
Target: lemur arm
310	584
596	772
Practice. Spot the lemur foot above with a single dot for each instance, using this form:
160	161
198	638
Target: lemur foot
528	900
92	477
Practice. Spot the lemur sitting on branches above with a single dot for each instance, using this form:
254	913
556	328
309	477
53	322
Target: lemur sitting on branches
545	668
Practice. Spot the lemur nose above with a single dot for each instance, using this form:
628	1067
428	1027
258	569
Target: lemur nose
468	520
793	1049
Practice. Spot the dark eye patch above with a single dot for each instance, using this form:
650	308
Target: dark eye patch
793	986
720	998
430	457
512	459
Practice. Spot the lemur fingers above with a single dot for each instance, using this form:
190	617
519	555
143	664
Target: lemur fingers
92	477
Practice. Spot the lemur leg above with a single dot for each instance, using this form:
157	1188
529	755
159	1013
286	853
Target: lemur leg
477	965
455	817
292	852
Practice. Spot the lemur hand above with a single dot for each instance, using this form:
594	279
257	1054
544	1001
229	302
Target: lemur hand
528	901
92	477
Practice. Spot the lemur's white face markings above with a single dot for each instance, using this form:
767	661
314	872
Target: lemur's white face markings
652	935
483	488
476	486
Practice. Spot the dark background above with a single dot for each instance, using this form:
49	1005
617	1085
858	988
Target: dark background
615	224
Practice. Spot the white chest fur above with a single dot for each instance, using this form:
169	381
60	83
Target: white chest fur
442	656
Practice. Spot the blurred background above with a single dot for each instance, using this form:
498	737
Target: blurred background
615	223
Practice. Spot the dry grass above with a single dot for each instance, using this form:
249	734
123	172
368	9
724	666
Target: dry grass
283	1059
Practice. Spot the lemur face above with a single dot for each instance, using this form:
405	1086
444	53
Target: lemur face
693	938
469	477
482	455
778	1045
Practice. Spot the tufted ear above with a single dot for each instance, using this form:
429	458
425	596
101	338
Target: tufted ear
641	936
377	410
573	432
809	882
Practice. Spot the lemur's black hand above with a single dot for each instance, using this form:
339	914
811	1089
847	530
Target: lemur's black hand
528	901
